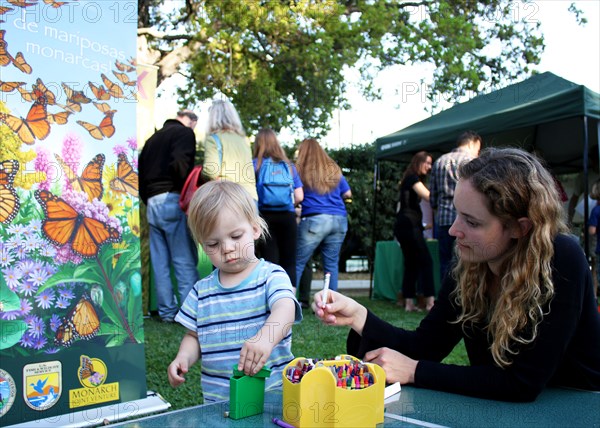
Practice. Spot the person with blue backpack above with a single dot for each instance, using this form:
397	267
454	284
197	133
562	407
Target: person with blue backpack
279	190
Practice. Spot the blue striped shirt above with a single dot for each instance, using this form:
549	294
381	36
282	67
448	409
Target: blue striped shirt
225	318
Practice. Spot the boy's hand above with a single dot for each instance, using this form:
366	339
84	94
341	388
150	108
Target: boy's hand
176	371
255	353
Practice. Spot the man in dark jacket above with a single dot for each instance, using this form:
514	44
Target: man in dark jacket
164	163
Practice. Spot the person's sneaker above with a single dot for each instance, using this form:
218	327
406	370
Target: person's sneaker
168	320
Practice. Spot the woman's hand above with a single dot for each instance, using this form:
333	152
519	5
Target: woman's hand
398	367
340	310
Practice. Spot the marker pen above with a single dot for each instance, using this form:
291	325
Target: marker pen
326	288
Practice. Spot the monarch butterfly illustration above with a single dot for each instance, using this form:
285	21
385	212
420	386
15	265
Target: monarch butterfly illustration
19	62
54	4
124	79
20	3
99	92
9	200
63	225
86	369
40	90
81	322
77	97
59	118
4	9
10	86
126	180
113	89
70	106
90	181
105	129
5	57
35	125
104	108
123	67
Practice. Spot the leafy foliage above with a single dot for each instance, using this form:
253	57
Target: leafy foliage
282	63
367	223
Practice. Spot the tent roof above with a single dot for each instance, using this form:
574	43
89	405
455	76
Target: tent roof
542	113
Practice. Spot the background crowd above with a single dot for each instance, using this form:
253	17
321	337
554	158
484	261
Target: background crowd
491	214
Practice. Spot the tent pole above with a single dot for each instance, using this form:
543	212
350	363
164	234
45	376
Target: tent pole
586	235
373	215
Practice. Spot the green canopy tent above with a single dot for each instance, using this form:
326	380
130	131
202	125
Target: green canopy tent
554	117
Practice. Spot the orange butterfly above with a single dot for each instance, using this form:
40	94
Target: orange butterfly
76	97
63	225
124	78
105	129
5	57
86	369
70	106
104	108
9	200
126	180
4	9
123	67
59	118
39	90
82	322
19	62
113	89
20	3
10	86
99	92
54	4
36	124
90	181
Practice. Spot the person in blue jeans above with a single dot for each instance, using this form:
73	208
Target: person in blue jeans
324	220
164	164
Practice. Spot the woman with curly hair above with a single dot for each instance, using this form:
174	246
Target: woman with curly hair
520	295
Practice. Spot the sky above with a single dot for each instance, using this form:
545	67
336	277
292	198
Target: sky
572	52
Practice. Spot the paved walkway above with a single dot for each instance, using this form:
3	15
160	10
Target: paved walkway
344	284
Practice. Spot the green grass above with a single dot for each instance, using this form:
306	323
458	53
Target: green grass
310	339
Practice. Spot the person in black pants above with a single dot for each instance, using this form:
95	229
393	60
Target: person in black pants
408	230
279	246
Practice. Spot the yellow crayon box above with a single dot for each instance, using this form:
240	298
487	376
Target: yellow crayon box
316	399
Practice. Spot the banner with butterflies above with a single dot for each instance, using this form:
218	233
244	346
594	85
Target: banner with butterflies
71	325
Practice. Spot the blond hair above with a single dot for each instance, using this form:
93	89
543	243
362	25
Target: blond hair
515	185
316	169
209	201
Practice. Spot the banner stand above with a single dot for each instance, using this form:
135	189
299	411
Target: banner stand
153	403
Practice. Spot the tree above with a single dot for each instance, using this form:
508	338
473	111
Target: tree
282	62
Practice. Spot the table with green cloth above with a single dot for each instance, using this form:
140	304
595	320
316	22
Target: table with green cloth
389	268
555	407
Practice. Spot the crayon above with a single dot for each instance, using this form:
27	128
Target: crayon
282	424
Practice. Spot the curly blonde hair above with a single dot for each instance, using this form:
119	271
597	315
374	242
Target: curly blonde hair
516	185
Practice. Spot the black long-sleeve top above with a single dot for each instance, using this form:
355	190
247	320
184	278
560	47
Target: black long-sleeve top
166	159
566	351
